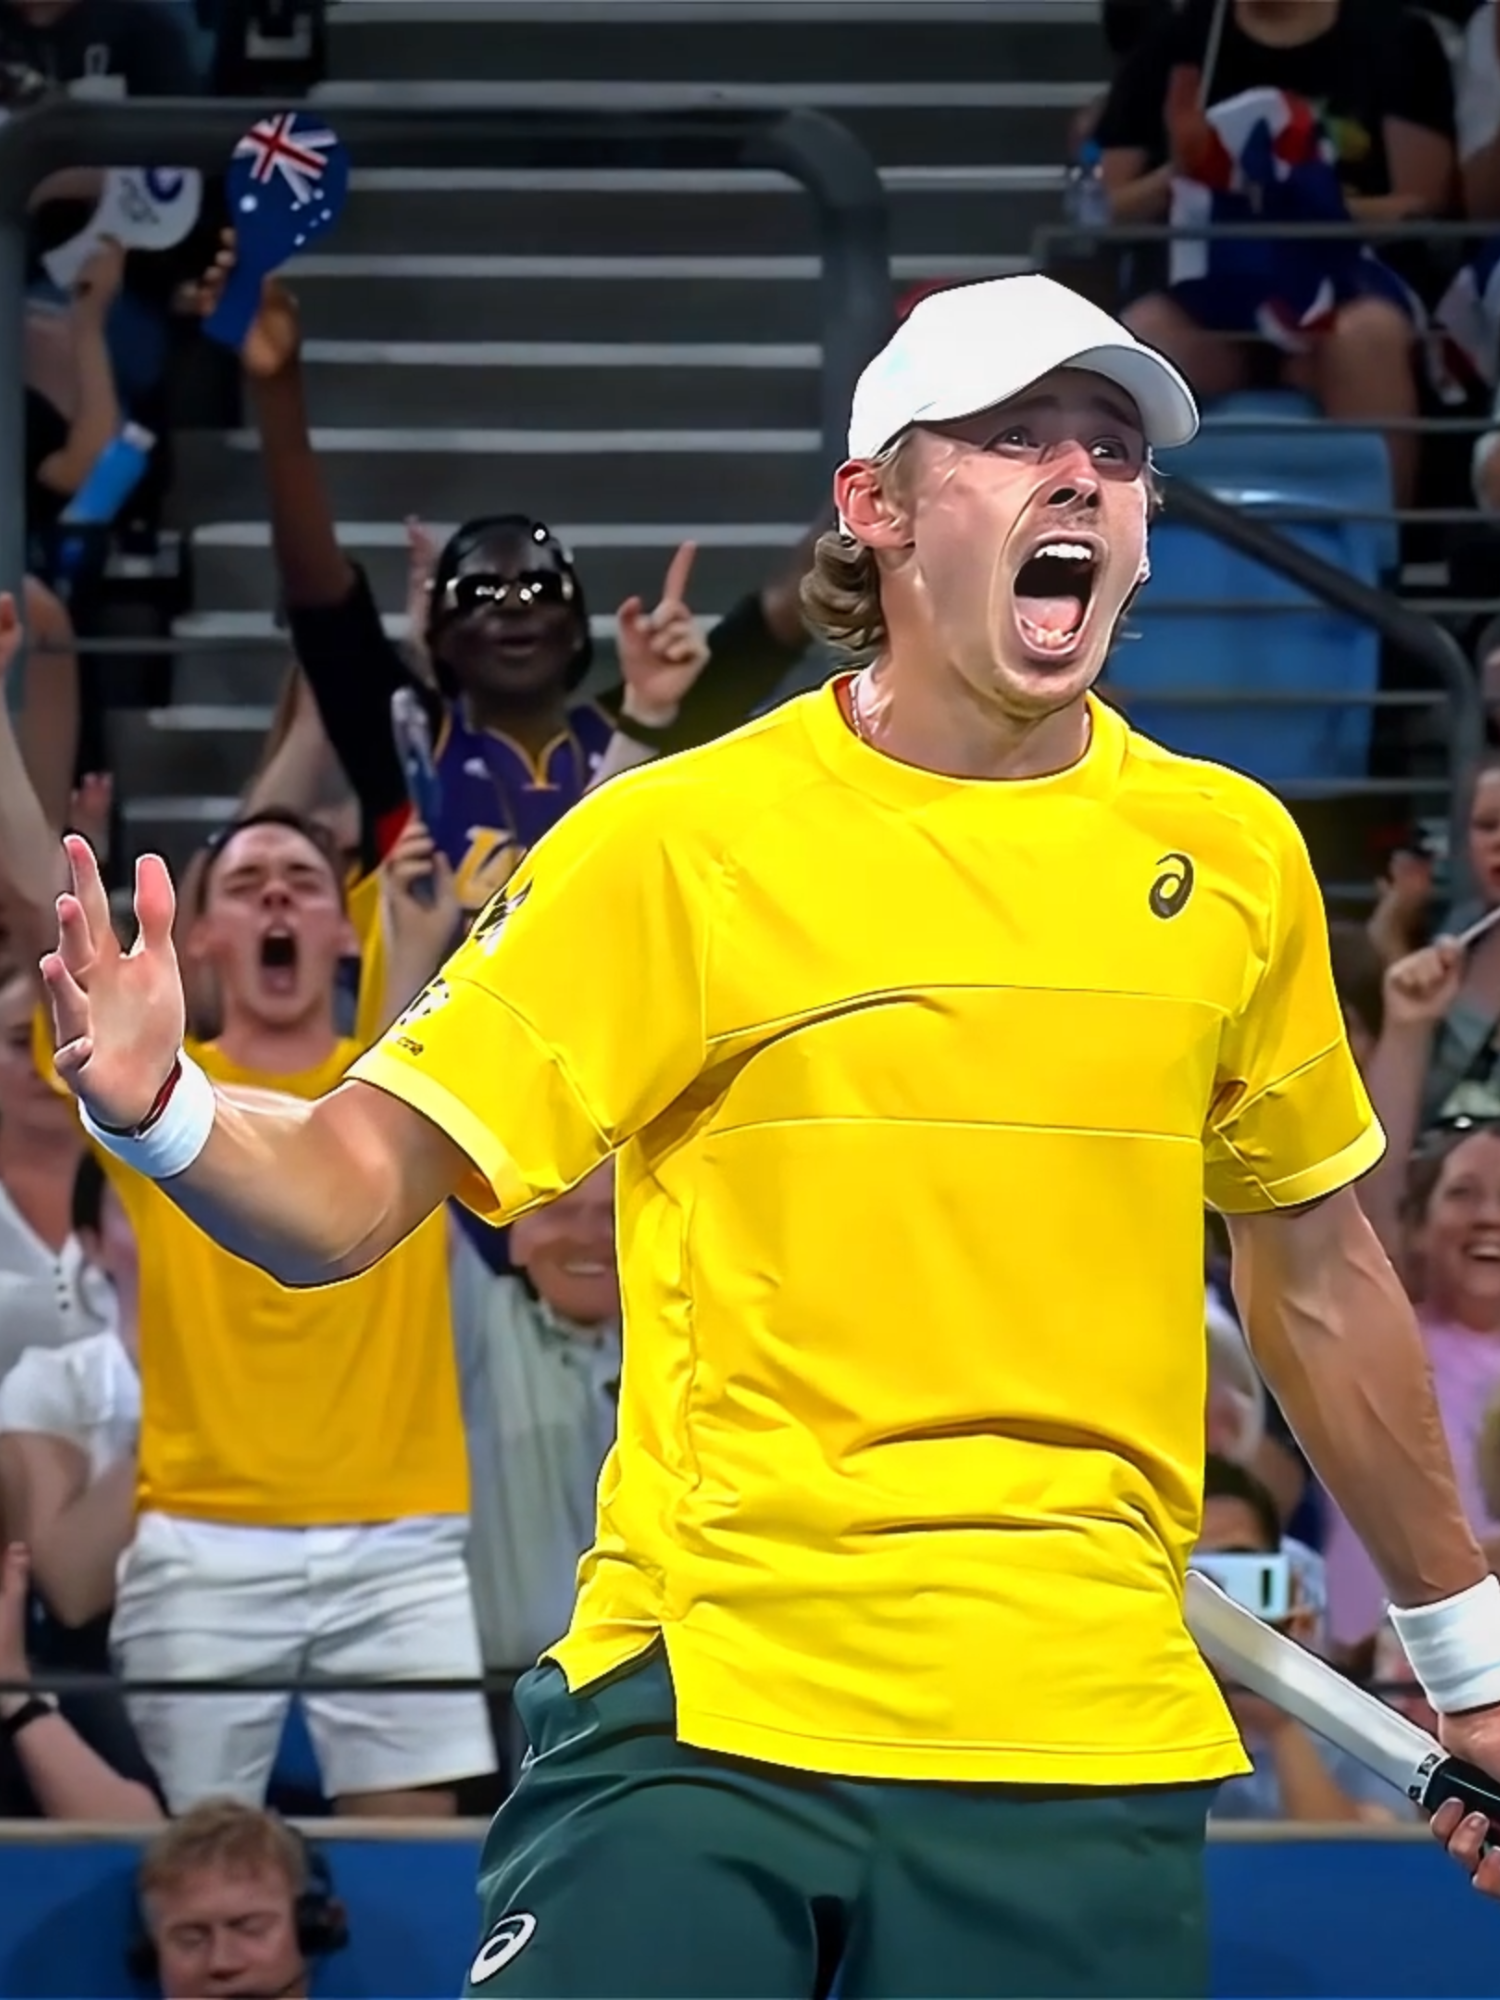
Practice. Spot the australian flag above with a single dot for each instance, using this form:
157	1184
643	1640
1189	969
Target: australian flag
1267	158
293	149
288	181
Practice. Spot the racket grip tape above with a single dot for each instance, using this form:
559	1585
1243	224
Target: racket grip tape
1475	1790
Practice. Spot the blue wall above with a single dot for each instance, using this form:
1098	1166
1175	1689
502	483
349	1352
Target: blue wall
1367	1917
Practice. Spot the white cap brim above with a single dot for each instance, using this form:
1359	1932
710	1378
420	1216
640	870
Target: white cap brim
977	346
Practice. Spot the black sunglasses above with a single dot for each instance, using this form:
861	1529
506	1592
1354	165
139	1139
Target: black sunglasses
478	590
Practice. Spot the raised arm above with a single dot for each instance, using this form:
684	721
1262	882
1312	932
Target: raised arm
352	667
1419	990
310	1192
31	866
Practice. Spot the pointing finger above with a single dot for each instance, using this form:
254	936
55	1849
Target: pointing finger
679	570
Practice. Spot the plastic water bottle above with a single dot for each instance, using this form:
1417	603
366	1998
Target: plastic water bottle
111	479
108	484
1087	198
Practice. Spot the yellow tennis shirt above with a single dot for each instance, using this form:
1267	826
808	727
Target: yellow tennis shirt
920	1086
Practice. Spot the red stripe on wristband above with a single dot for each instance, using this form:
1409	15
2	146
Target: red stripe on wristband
154	1116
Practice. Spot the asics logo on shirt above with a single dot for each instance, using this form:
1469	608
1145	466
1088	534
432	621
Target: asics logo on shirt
1172	888
506	1941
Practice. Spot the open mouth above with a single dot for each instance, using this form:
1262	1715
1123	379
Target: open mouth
278	960
1053	589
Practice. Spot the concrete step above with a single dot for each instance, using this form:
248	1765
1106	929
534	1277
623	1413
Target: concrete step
573	384
530	298
627	475
935	210
198	749
233	564
1049	39
956	121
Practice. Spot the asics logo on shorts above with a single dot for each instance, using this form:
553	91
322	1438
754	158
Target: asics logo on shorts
1171	889
506	1941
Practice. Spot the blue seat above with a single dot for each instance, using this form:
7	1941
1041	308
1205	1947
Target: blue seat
1298	461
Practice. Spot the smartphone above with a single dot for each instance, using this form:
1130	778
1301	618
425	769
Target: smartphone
424	787
1260	1583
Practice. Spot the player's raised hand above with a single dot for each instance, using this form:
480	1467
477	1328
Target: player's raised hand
662	652
118	1017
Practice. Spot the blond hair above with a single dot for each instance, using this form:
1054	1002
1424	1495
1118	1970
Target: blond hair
841	591
223	1833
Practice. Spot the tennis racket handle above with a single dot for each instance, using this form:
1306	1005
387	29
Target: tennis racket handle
1475	1790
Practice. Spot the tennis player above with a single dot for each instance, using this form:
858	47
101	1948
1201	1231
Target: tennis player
925	1012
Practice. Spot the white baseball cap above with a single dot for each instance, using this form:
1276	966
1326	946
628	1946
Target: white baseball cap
968	348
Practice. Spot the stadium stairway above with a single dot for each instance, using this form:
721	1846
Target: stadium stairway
592	346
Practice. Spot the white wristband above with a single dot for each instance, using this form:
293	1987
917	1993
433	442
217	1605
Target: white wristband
174	1140
1454	1647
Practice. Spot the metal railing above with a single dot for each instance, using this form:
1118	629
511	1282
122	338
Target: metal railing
1415	635
383	127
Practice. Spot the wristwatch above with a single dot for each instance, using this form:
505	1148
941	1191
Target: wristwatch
650	735
31	1710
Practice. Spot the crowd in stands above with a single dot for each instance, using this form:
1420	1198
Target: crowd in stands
205	1478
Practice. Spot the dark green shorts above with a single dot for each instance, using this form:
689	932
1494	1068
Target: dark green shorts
627	1866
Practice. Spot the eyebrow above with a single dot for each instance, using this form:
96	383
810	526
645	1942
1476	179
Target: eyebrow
1105	405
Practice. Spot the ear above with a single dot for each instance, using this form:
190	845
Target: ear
195	939
870	513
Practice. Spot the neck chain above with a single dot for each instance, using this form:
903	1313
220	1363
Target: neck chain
856	713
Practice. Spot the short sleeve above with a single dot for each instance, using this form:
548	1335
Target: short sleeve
1134	111
37	1395
1418	85
572	1015
1290	1120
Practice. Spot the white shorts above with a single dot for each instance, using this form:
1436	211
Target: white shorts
197	1600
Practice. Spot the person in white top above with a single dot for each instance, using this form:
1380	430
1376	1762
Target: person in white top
69	1427
48	1292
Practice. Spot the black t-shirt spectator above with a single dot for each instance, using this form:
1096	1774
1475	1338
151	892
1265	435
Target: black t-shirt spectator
1374	63
132	39
353	668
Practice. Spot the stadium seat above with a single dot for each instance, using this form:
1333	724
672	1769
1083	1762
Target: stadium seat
1199	622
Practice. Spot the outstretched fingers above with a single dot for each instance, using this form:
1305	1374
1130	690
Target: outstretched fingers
88	890
155	904
71	1020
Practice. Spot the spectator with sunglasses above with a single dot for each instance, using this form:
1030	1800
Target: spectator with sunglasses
1450	1222
505	632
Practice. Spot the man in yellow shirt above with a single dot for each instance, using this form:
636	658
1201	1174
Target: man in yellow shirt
303	1485
921	1015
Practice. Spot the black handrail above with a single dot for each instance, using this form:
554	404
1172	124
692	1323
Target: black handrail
383	127
1408	632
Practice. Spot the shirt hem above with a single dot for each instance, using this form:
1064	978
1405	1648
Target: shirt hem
346	1512
988	1763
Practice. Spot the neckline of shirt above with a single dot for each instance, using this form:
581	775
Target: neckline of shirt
872	771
